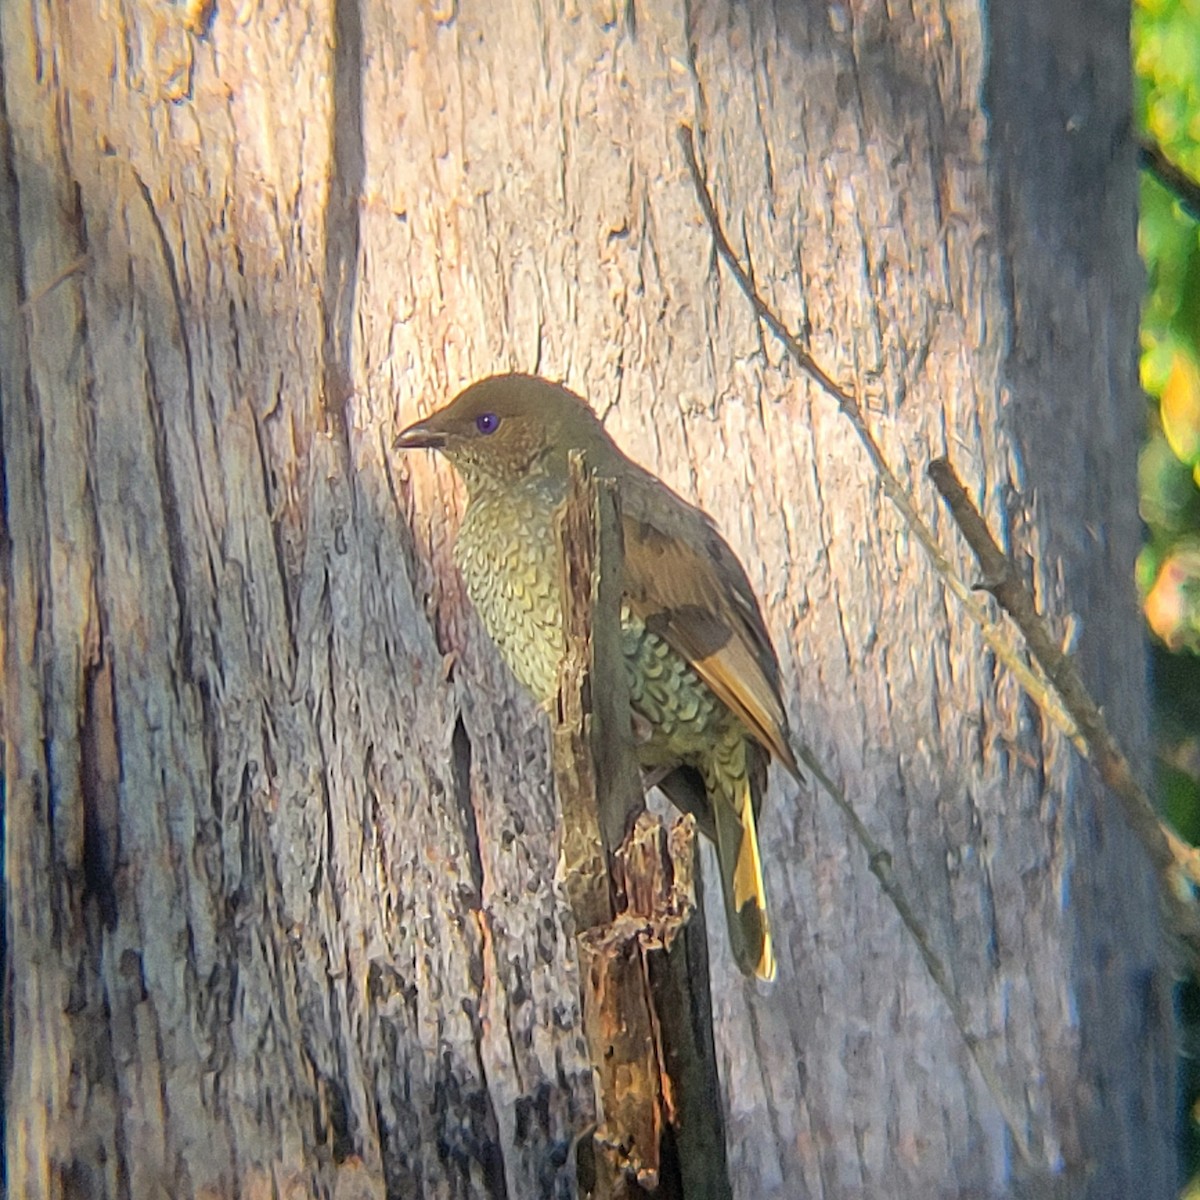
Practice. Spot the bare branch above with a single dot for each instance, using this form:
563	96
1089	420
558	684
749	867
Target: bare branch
1094	740
895	491
1174	178
72	268
879	860
1067	717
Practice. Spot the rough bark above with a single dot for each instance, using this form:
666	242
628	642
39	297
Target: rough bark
641	941
279	837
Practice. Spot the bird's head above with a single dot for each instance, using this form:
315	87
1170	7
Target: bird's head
508	427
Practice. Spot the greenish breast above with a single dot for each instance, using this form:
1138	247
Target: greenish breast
507	552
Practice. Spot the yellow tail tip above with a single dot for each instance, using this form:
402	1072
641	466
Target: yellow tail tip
765	967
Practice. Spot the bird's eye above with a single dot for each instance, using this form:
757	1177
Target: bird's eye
487	422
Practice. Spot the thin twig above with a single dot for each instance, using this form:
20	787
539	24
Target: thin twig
1174	178
1073	710
72	268
1047	698
895	491
1094	740
1186	856
878	858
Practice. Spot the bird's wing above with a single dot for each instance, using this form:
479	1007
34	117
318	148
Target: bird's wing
687	585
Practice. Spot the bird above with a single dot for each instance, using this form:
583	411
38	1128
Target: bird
704	678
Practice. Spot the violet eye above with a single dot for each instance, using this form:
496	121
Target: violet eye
487	422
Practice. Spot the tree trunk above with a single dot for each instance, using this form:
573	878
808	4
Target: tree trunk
279	832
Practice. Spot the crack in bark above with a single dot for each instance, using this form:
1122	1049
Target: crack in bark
342	220
460	769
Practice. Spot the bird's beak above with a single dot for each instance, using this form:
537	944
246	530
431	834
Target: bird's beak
421	436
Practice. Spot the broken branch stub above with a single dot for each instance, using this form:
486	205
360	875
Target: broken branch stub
631	886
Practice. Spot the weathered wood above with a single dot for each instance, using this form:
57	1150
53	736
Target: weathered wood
591	733
595	773
647	1016
674	941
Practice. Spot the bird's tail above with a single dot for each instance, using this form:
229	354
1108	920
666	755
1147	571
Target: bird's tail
732	798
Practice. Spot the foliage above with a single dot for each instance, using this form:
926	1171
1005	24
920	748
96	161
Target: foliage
1167	60
1166	50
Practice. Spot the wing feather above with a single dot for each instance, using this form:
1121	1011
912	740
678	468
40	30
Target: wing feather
684	581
